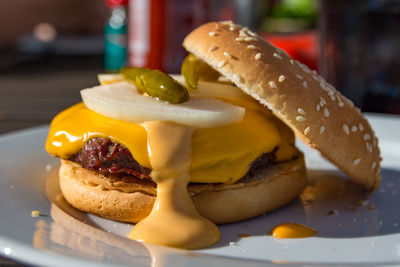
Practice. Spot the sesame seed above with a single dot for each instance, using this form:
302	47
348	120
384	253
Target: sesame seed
252	33
227	22
349	102
341	104
346	129
292	61
227	54
305	69
375	141
323	86
314	72
239	39
257	56
368	146
212	48
281	78
301	111
333	98
251	47
301	65
361	127
354	128
248	39
272	84
212	33
305	84
307	130
318	107
373	165
322	100
277	56
221	64
356	161
367	136
242	34
300	118
321	129
236	77
299	76
326	112
231	28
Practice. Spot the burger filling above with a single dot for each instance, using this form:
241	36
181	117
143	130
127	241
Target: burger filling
107	157
221	154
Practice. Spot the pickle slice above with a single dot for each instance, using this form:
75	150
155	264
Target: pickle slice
130	74
194	69
156	84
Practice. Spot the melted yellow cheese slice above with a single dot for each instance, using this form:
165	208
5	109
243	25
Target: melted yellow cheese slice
219	155
228	151
73	127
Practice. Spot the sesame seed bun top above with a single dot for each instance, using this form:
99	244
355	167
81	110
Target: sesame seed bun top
321	116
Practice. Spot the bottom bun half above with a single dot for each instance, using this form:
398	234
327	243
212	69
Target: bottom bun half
130	199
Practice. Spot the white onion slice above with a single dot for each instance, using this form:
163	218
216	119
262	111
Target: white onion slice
122	101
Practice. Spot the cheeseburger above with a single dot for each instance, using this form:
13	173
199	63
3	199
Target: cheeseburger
216	145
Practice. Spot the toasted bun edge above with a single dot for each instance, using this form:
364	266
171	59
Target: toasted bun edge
267	190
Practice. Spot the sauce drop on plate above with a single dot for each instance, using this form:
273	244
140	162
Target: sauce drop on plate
292	230
174	221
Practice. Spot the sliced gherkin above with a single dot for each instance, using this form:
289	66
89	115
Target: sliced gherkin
194	69
156	84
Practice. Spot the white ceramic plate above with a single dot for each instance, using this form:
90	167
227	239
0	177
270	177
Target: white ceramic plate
353	227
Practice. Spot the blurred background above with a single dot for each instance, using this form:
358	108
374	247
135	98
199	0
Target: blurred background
49	50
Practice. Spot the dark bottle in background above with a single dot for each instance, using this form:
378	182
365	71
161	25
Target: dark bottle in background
115	32
360	51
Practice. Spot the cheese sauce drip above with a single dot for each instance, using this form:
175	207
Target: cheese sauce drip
292	230
174	221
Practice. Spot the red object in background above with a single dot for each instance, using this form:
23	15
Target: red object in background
156	29
300	46
146	33
112	3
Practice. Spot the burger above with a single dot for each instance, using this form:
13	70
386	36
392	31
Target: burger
180	166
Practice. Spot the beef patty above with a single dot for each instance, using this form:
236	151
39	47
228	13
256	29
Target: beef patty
108	157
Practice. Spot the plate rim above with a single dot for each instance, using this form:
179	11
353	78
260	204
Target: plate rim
25	253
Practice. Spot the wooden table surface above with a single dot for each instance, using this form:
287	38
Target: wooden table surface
31	99
33	92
